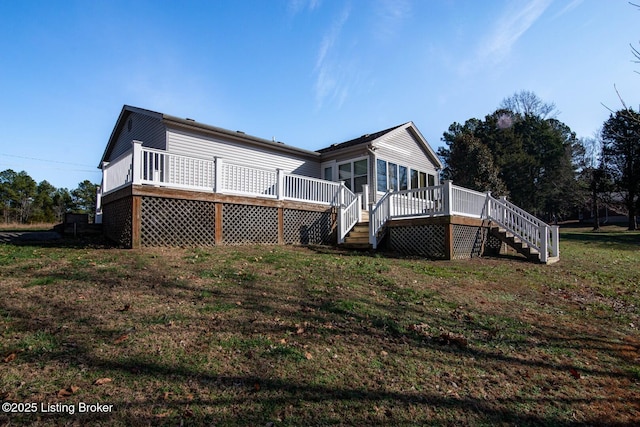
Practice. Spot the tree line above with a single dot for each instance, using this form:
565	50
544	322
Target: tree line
523	151
24	201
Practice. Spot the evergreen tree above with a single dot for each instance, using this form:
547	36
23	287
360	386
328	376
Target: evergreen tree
621	155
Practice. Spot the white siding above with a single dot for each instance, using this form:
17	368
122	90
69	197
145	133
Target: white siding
189	144
149	130
404	149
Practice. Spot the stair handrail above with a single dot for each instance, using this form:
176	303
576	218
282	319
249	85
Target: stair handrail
531	230
379	214
349	211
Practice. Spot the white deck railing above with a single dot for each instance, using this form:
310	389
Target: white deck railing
119	172
142	165
349	211
449	199
537	234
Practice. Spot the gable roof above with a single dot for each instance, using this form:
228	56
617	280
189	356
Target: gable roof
356	141
373	137
190	124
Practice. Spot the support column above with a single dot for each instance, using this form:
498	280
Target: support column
281	226
448	240
218	223
136	222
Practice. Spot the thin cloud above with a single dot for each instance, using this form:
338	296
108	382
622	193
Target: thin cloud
568	8
296	6
330	81
391	14
515	21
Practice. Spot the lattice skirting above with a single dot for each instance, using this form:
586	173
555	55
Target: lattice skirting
176	222
179	222
306	227
468	241
248	224
421	240
493	245
117	219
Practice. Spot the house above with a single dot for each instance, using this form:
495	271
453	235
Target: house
174	181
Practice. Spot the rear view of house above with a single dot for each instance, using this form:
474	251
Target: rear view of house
169	181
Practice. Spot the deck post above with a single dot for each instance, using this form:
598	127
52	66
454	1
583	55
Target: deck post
280	184
136	162
217	178
555	241
98	218
105	186
544	243
448	197
341	212
136	222
365	195
487	206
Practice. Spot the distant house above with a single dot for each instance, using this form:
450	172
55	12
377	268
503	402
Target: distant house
171	181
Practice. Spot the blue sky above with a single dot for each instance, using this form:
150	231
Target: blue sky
307	72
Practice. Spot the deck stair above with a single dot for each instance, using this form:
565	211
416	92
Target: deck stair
358	237
518	245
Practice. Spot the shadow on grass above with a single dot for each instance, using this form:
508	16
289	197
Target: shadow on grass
624	240
258	394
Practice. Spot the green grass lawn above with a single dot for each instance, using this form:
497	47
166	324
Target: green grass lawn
273	335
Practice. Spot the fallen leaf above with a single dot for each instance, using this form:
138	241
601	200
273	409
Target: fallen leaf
166	395
300	331
125	308
575	374
121	339
308	355
11	357
383	353
66	392
188	413
101	381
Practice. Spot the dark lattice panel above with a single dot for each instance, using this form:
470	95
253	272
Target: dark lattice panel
246	224
422	240
306	227
467	241
175	222
493	245
116	221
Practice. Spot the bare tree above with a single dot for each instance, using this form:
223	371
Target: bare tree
527	102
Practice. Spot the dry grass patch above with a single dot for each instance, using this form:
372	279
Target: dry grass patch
317	336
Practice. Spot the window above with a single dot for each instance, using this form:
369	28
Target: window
423	179
402	177
414	178
328	173
344	174
355	174
431	180
381	175
360	174
393	176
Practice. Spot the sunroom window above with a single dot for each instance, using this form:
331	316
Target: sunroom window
381	178
402	177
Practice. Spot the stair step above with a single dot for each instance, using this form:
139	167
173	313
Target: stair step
363	239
